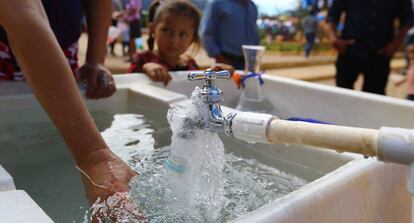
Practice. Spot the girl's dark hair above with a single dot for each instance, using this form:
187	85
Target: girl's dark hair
160	8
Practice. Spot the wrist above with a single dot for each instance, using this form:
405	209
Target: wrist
95	66
95	59
92	64
95	157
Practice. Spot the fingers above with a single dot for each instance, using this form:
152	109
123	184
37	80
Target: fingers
105	86
117	208
91	86
167	79
100	83
111	87
106	178
341	45
160	75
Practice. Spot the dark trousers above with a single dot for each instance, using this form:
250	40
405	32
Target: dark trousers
375	68
310	40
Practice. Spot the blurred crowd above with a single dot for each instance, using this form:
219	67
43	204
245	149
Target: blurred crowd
126	26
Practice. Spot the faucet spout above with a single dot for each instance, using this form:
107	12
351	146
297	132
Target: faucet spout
212	96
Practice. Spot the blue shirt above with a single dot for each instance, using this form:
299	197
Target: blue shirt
227	25
310	24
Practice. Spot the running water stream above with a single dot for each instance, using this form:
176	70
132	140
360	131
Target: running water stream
193	179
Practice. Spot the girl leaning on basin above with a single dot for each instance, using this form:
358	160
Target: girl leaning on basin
52	82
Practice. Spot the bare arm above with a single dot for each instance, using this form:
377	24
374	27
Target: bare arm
392	47
338	44
332	31
406	21
99	79
52	82
98	15
334	15
50	76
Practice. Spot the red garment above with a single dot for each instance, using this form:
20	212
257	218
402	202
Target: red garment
10	70
149	57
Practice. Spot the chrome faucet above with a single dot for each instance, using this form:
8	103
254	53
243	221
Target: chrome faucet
212	96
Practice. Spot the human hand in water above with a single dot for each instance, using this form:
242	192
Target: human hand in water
99	80
222	66
157	72
341	44
106	178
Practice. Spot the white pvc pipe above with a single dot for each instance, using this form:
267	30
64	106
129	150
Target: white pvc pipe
251	127
340	138
411	189
389	144
396	145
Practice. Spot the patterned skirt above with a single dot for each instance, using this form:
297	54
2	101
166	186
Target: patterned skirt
10	70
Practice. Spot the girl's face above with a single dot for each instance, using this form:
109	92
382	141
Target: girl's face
174	34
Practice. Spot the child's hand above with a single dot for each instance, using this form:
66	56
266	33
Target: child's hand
157	72
223	66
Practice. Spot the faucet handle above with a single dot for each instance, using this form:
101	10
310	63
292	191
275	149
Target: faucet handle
223	74
208	74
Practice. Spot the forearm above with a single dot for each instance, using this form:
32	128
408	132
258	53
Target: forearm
49	76
98	15
399	38
332	32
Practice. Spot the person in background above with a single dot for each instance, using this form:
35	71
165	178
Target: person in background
367	42
113	36
226	26
310	25
113	32
173	26
65	18
409	75
125	40
133	17
119	20
49	75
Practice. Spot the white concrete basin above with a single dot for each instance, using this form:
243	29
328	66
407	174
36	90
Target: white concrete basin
343	187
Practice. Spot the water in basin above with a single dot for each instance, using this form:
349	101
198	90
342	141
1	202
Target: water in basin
192	180
35	155
33	152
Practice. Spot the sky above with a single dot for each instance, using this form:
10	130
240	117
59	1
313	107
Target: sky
272	7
